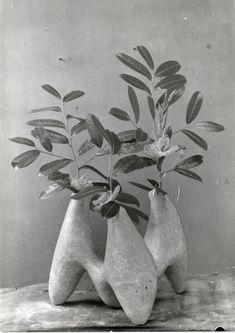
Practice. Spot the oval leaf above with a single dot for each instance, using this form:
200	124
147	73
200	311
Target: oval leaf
171	82
59	176
174	95
25	159
132	147
190	162
127	198
120	114
134	64
90	167
130	163
46	123
23	141
194	106
70	116
43	137
85	147
48	108
134	103
51	90
146	55
115	143
96	136
209	126
188	173
167	68
196	139
110	209
126	148
53	166
78	128
141	135
161	102
133	81
156	186
105	133
73	95
151	106
55	137
51	191
143	187
153	182
127	136
87	191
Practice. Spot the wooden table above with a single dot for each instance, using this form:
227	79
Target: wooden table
208	303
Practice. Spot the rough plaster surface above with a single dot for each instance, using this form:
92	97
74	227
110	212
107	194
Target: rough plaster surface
130	268
71	45
127	276
165	239
207	304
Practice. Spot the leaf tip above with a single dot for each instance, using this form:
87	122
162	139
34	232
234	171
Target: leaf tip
14	166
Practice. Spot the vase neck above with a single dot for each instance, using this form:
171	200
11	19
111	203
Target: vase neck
163	212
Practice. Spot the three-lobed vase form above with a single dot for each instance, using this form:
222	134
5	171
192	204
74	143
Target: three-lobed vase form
127	276
165	239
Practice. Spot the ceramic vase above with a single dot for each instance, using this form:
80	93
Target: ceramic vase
76	252
165	239
127	277
130	268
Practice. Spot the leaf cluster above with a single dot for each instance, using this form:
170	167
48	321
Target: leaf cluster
107	197
166	77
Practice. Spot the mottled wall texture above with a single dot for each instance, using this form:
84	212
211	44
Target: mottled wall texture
71	44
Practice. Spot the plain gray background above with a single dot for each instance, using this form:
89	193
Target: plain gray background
86	34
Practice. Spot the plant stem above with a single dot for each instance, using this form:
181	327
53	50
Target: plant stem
162	174
160	177
51	154
160	181
110	171
165	172
181	129
69	137
152	95
133	123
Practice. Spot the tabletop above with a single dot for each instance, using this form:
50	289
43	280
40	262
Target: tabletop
208	304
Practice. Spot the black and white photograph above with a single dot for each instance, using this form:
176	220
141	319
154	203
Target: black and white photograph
117	205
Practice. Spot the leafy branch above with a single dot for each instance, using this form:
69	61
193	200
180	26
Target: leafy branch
166	77
69	136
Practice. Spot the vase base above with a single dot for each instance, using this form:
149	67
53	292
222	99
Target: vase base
177	275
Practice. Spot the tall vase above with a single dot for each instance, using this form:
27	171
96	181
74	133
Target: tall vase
130	268
165	239
75	252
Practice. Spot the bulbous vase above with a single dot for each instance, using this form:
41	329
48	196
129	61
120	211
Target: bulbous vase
165	239
130	268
